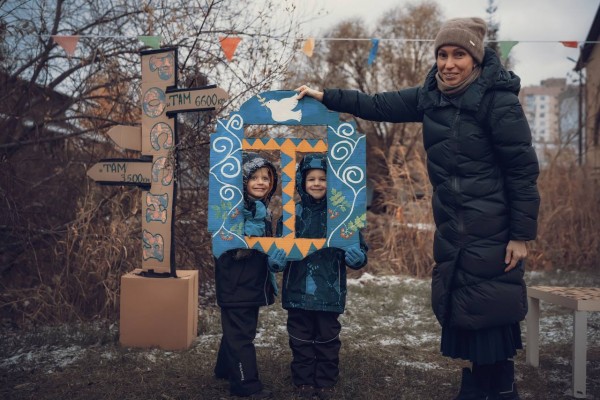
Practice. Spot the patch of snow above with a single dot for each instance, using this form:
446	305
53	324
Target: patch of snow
207	338
385	280
54	357
418	365
108	355
425	338
391	342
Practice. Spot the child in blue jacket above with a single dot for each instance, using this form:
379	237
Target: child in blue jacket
243	284
314	288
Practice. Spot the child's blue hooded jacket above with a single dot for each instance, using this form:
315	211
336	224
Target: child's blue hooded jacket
317	282
242	276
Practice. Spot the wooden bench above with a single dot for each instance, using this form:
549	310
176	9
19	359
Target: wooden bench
579	299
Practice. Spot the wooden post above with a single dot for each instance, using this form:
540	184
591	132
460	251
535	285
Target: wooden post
532	349
579	353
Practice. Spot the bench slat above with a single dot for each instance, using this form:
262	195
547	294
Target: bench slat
575	298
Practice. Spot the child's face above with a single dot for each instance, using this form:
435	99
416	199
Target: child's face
259	184
316	183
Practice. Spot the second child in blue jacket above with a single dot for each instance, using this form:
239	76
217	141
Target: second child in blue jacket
314	288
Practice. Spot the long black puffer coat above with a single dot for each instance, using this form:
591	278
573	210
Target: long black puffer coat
483	170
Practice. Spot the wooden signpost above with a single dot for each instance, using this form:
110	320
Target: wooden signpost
157	312
156	139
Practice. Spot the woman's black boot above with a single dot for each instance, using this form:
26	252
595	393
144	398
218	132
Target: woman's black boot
470	388
505	387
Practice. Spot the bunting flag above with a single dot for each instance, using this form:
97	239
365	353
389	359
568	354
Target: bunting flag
373	53
150	41
68	43
308	47
505	48
570	43
229	44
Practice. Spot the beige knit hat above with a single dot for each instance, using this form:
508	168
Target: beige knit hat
467	33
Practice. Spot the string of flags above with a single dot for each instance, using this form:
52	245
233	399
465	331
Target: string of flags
229	44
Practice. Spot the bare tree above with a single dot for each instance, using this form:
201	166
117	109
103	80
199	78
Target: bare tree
401	62
492	34
493	26
395	155
63	241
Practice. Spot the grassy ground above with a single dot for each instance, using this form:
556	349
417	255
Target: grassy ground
390	351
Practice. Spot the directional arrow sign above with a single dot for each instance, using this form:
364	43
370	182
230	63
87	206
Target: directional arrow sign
127	137
207	98
122	172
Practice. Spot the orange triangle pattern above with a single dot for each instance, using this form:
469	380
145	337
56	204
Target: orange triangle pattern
288	147
290	222
304	245
320	146
286	243
289	169
290	207
304	146
271	144
289	188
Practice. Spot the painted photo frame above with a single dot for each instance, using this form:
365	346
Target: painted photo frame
346	174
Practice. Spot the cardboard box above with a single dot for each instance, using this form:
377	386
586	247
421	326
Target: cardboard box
159	312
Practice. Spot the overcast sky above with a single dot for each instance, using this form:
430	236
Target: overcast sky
520	20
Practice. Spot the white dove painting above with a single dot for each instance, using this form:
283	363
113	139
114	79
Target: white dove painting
282	110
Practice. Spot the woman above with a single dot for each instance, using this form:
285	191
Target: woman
483	170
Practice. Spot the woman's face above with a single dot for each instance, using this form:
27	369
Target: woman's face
316	183
259	184
455	64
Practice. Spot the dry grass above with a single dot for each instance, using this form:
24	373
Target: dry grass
401	234
568	224
82	278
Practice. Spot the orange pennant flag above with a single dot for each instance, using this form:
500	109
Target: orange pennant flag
229	44
68	43
569	43
308	46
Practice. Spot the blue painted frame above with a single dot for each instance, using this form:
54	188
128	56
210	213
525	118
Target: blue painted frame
346	174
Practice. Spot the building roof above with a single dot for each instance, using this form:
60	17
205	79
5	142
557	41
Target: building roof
588	47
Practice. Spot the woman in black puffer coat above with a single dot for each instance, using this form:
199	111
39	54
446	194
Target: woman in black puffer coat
483	170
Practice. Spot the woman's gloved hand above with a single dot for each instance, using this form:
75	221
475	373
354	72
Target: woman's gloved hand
276	260
354	256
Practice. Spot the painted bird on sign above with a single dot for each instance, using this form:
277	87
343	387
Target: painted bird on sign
282	110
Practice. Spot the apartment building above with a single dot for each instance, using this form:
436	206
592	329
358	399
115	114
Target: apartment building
551	110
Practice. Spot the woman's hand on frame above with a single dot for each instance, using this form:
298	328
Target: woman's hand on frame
307	91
